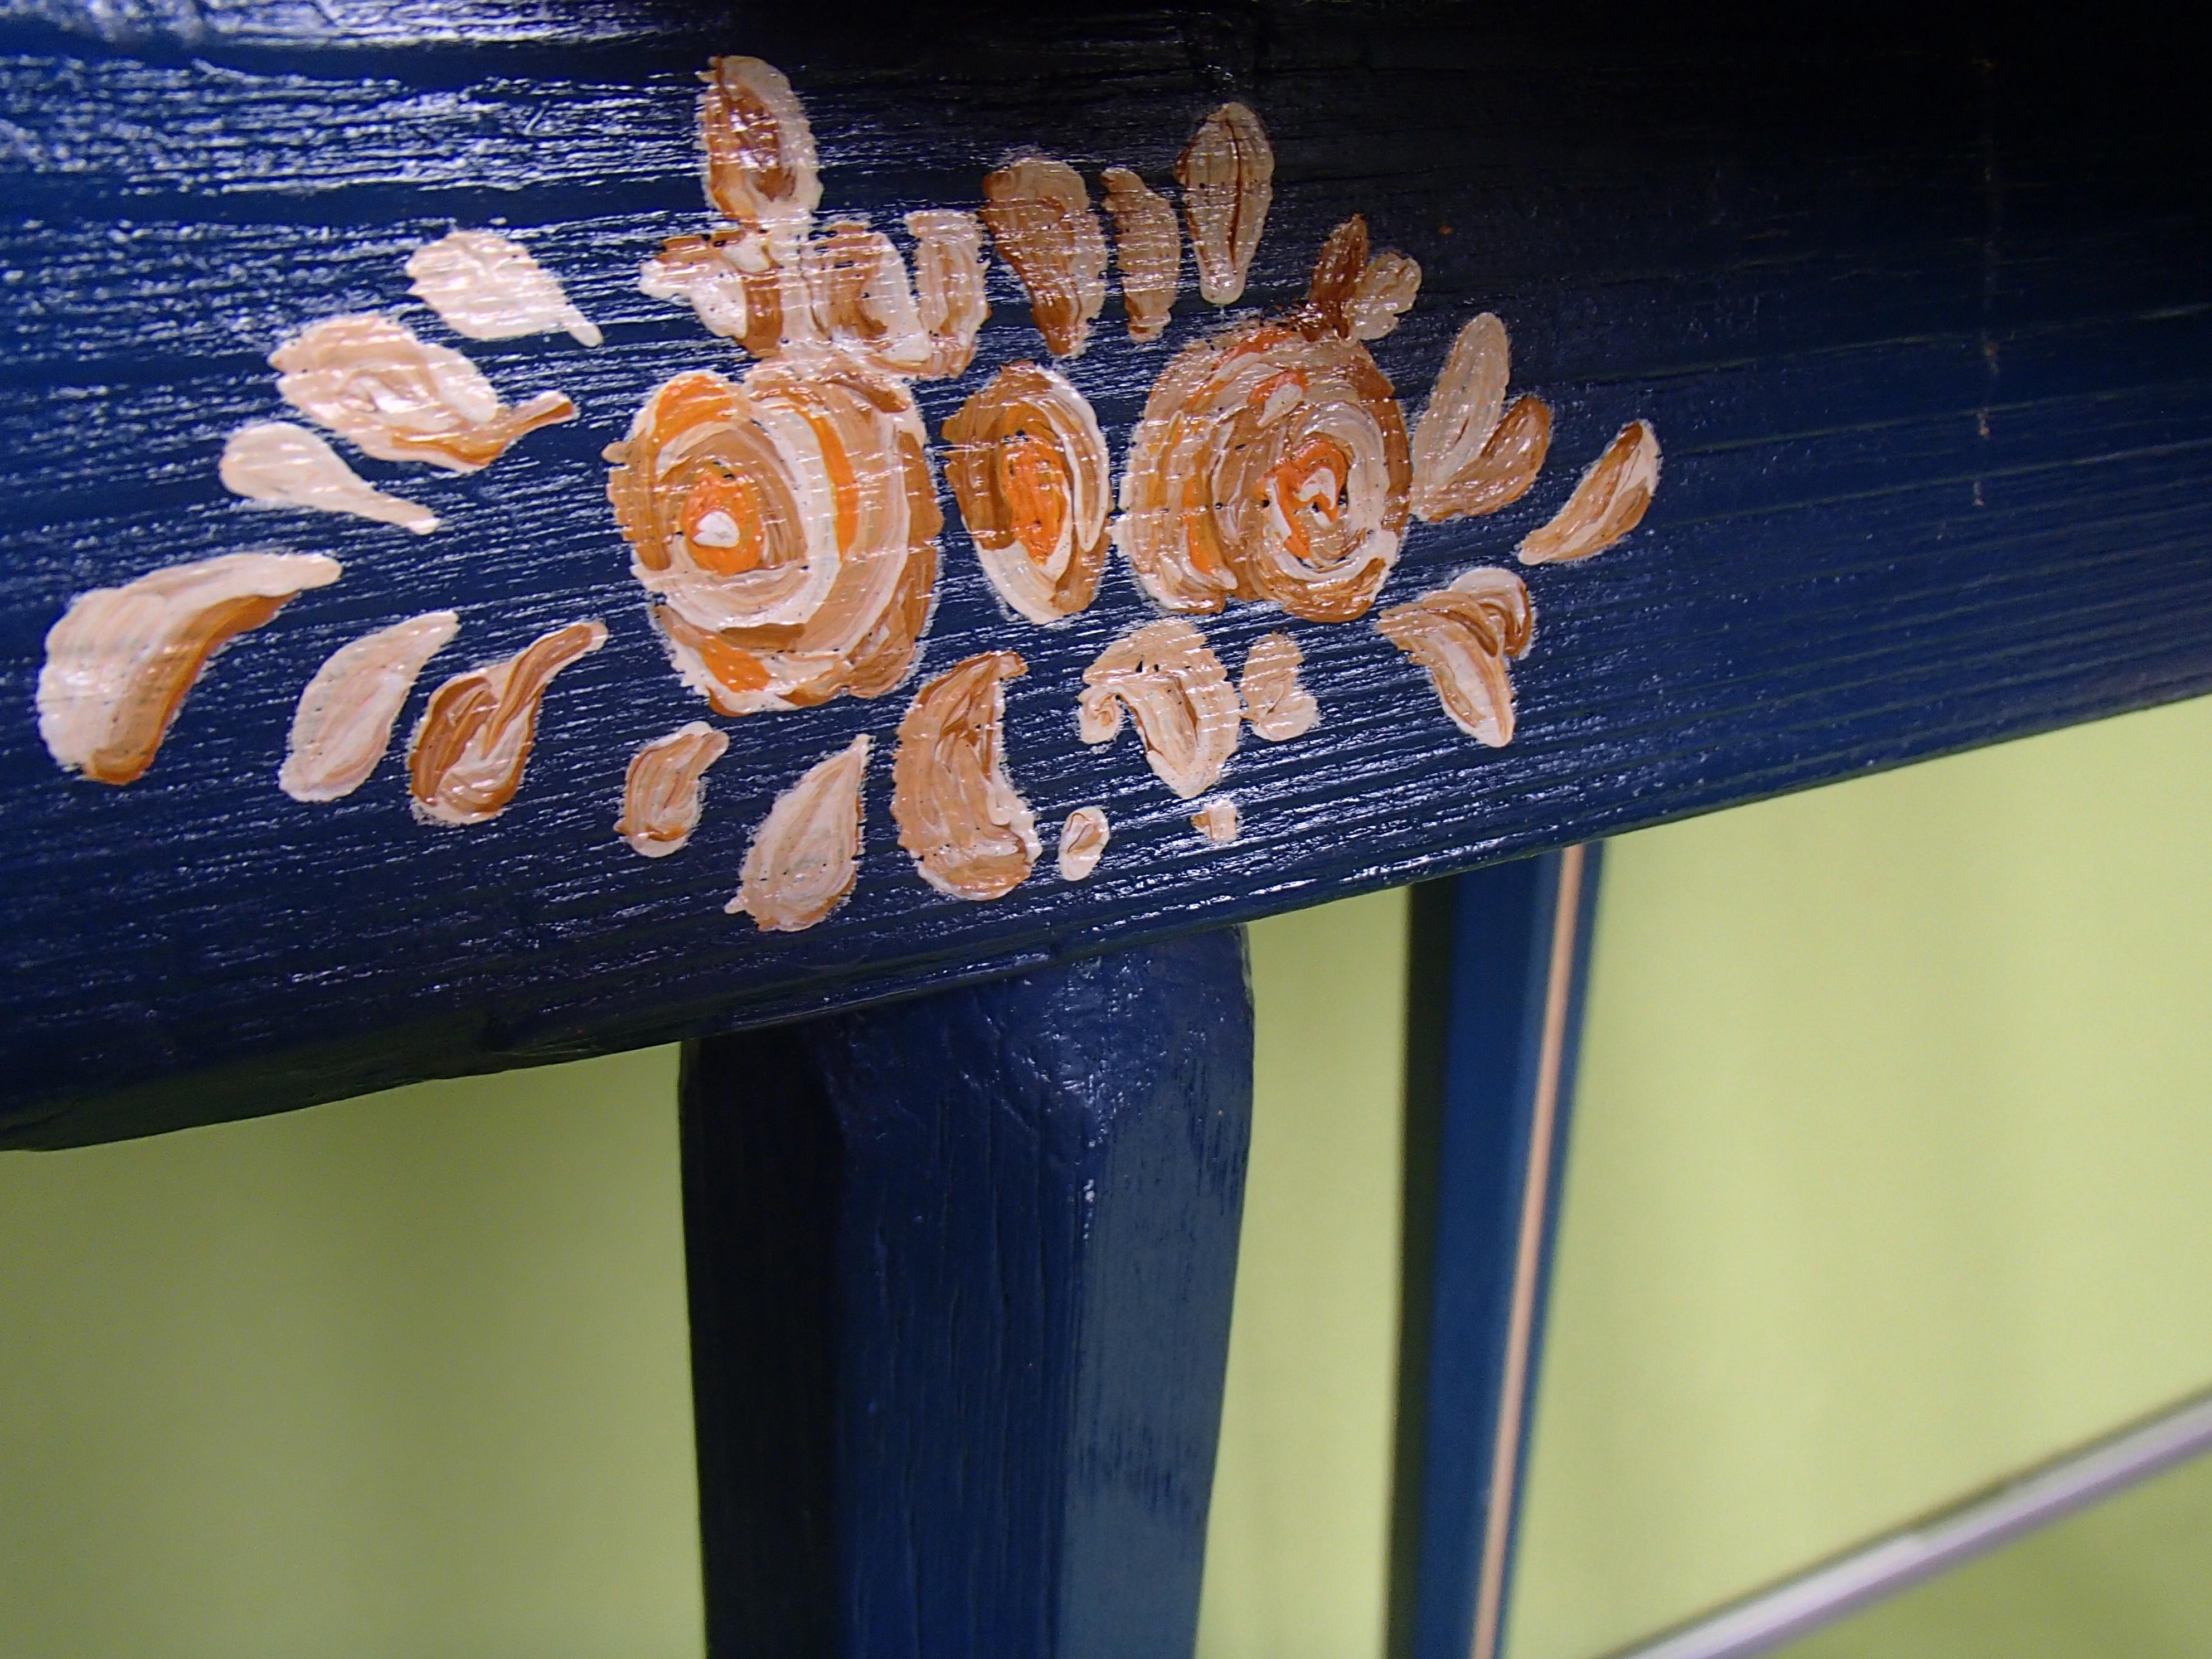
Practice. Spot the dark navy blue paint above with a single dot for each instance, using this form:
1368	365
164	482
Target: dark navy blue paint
1482	947
1923	315
961	1270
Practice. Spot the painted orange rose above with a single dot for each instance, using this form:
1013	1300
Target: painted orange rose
1028	468
1271	465
785	525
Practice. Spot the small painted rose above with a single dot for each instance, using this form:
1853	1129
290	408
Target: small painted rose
1027	465
786	526
1271	465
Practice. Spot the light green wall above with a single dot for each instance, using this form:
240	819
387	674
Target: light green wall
1891	1165
404	1376
1295	1551
1888	1176
2129	1579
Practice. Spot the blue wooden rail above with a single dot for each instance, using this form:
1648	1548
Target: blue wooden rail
1916	320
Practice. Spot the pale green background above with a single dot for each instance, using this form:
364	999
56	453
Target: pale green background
1890	1174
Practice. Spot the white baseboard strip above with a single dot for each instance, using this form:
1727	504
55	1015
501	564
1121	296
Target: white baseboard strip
1763	1620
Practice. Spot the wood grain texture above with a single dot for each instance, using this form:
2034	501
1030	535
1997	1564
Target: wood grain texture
960	1275
1922	316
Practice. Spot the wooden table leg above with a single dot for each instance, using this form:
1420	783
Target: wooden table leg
960	1279
1500	957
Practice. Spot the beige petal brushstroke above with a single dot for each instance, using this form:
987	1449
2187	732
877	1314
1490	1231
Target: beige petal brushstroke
343	722
466	758
804	858
1218	821
1356	294
371	381
1082	840
1472	454
969	830
1385	292
488	287
1608	502
1186	713
1227	172
730	283
1039	214
948	280
1147	247
661	789
862	301
287	465
121	659
1276	706
762	170
1463	635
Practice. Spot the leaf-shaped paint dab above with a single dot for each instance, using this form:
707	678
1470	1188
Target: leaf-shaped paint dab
1608	502
1463	635
469	751
1147	247
1082	839
805	855
488	287
761	165
1172	685
1039	214
1218	821
371	381
1227	172
1472	455
343	722
121	659
1276	706
948	285
287	465
969	832
661	789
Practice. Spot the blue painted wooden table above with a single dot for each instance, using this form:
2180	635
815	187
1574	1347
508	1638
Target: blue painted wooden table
1072	480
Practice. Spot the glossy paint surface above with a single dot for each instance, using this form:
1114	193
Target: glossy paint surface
1920	316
